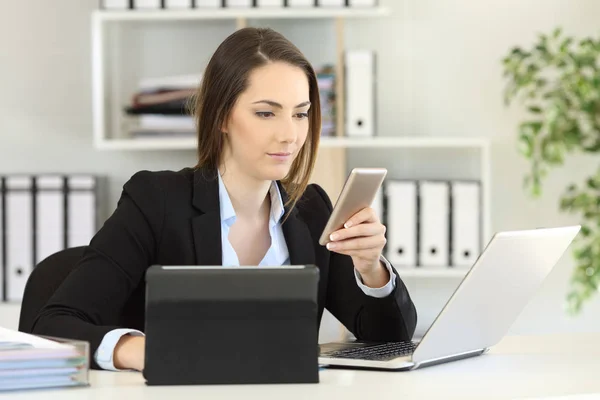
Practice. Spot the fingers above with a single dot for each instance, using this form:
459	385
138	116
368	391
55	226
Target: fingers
364	229
356	245
363	254
367	214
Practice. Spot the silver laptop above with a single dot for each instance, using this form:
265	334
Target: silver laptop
480	311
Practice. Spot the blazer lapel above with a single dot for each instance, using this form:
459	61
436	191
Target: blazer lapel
297	236
206	228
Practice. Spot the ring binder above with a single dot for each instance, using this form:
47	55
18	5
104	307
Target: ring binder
40	215
19	234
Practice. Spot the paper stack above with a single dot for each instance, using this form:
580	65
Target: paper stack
160	107
32	362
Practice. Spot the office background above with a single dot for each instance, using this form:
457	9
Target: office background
439	73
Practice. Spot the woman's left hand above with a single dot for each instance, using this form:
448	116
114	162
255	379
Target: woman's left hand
363	238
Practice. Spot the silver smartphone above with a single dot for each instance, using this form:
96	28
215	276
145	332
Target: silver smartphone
358	192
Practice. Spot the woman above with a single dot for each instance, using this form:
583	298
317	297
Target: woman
247	202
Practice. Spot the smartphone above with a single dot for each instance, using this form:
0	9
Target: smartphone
358	192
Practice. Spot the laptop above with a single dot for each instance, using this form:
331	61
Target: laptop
479	313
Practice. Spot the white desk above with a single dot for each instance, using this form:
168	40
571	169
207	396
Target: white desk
518	367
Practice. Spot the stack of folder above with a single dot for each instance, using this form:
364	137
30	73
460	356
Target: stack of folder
34	362
161	106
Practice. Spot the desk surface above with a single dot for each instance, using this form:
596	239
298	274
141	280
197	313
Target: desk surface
547	366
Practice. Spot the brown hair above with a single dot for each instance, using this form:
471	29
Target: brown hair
226	77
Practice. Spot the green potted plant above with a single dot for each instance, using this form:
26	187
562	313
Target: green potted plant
557	80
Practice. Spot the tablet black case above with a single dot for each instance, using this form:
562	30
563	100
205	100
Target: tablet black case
231	325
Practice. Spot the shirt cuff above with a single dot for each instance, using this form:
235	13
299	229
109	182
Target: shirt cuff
383	291
104	355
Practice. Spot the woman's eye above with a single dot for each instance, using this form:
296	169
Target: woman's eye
302	115
265	114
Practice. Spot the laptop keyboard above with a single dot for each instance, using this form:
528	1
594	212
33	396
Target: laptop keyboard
378	352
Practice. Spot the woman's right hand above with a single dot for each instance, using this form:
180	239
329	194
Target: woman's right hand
130	352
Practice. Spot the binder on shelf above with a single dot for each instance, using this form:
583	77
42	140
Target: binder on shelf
465	222
19	235
362	3
208	3
178	4
2	253
301	3
331	3
238	3
81	209
49	216
434	220
270	3
147	4
402	222
116	4
360	93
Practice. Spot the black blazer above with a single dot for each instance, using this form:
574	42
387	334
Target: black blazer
173	218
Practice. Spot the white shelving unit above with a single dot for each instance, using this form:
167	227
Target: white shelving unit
108	122
109	134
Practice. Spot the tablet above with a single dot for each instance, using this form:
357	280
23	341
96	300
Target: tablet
231	325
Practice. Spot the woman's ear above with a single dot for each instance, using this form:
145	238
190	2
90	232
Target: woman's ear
224	127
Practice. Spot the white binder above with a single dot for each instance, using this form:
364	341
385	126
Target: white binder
147	4
178	4
331	3
115	4
208	3
401	248
434	220
81	210
270	3
362	3
50	216
238	3
19	235
301	3
465	222
360	93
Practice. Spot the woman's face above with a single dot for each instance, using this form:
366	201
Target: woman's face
269	122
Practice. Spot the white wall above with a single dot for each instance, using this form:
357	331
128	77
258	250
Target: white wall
439	72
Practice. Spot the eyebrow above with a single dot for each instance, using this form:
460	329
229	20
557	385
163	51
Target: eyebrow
275	104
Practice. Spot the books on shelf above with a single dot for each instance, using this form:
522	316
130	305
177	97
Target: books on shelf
326	82
34	362
160	107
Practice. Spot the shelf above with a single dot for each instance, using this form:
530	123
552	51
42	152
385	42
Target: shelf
147	144
406	141
445	272
234	13
326	142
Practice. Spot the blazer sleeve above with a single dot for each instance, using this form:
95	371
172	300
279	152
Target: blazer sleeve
87	304
391	318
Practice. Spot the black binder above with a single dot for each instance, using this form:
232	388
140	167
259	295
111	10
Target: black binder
231	325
